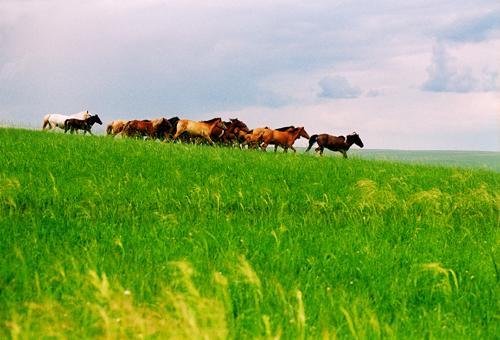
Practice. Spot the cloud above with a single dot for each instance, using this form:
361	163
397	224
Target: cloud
491	81
337	87
374	93
444	75
471	29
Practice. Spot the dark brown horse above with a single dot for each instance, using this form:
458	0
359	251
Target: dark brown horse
228	137
198	129
340	143
284	139
173	121
74	124
158	128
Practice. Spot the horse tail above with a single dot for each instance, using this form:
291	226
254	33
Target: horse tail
45	121
66	126
312	140
109	128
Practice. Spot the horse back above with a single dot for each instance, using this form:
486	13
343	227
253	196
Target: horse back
333	143
285	137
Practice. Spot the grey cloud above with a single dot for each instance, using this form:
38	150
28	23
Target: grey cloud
337	87
374	93
491	81
444	76
471	29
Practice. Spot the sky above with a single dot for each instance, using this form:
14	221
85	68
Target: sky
406	75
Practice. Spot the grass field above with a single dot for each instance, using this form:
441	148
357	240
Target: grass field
124	239
485	160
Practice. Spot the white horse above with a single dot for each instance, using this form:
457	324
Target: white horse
53	120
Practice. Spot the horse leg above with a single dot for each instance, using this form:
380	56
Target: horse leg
207	137
344	153
178	133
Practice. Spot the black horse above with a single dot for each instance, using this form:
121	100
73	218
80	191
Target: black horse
73	124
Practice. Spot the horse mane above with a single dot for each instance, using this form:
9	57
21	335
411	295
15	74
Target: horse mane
352	135
284	128
211	120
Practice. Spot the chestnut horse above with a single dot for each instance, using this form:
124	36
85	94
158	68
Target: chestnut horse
253	138
282	129
157	128
201	129
57	120
73	124
284	139
340	143
240	136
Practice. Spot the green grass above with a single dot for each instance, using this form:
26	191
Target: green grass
112	239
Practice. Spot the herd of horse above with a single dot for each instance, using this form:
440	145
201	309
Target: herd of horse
214	131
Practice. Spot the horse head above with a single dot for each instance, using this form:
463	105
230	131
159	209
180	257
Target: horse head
303	133
354	138
240	125
164	123
96	119
221	125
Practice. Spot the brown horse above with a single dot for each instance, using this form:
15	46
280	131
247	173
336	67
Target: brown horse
340	143
282	129
158	128
228	137
74	124
240	136
114	127
284	139
201	129
253	137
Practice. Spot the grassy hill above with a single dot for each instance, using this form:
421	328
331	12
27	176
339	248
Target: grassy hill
104	238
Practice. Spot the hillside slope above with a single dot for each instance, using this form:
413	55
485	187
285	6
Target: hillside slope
104	238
